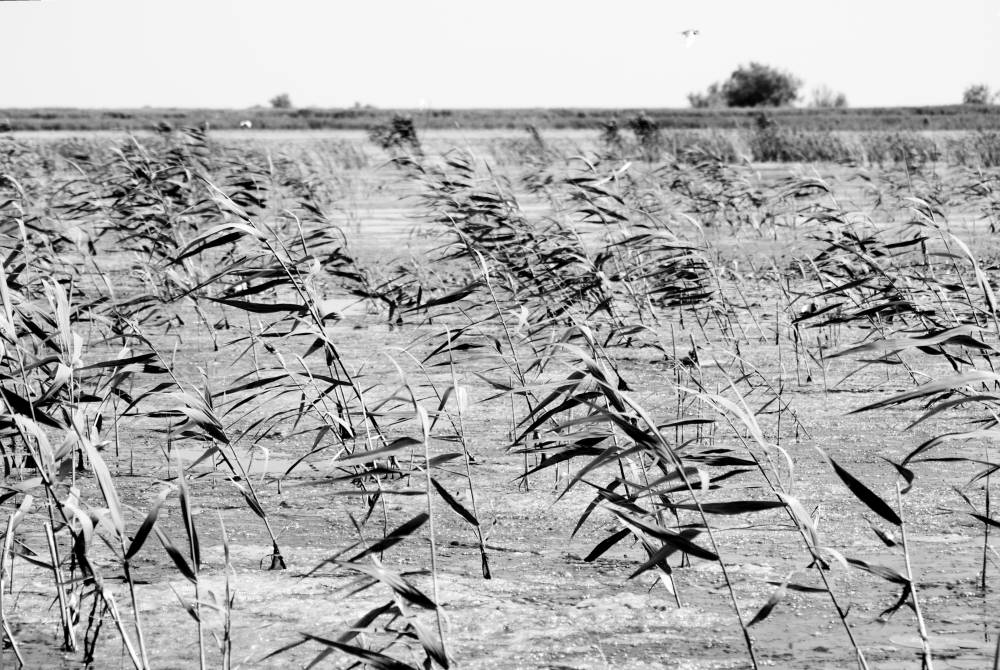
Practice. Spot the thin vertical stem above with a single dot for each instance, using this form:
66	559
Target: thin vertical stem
7	538
928	662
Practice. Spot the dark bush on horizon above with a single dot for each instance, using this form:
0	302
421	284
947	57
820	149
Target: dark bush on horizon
752	85
281	101
979	94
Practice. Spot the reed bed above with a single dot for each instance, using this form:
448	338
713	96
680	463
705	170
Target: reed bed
231	370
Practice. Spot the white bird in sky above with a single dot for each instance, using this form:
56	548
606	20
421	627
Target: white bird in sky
689	36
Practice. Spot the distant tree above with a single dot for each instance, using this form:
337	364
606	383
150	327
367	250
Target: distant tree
281	101
977	94
757	85
826	97
710	99
752	85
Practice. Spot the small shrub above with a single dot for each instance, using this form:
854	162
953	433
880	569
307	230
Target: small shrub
397	134
647	134
977	94
281	101
825	97
611	137
710	99
767	142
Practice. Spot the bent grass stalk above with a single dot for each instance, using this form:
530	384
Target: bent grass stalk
420	414
927	660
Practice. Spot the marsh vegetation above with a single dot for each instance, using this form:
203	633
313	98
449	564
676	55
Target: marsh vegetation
520	400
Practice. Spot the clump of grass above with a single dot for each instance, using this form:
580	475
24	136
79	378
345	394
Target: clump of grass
397	134
647	134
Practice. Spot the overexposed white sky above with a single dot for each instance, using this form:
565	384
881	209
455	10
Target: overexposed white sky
473	53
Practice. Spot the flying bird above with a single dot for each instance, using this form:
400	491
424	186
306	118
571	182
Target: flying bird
690	35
